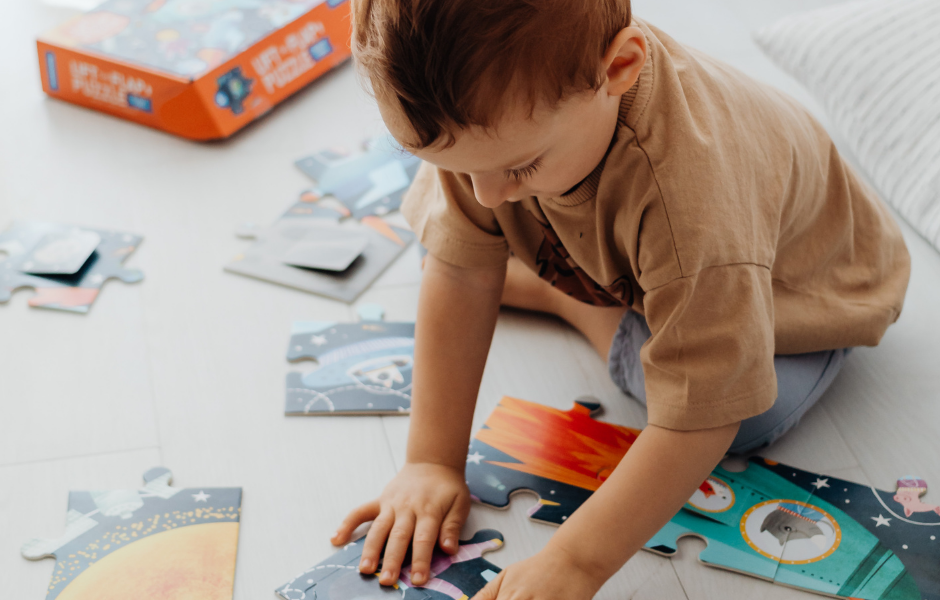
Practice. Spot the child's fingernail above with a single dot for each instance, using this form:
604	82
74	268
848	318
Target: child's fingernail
449	543
365	565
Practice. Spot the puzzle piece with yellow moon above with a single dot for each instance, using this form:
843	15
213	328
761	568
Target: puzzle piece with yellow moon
157	541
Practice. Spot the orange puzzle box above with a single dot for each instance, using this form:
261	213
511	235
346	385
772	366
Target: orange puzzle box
201	69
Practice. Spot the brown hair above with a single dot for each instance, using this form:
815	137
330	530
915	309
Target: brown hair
452	63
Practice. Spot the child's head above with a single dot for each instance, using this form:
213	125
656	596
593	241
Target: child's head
522	95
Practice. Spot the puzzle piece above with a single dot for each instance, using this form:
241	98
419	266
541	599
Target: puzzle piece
453	577
370	312
369	183
310	205
769	521
65	265
134	543
265	258
363	368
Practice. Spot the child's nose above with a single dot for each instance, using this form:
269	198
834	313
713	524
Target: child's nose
493	190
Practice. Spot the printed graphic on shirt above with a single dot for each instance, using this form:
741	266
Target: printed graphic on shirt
555	265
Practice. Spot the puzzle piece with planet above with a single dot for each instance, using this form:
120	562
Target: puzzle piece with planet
145	543
66	265
772	521
453	577
368	183
362	368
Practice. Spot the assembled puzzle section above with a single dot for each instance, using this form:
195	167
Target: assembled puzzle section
317	255
145	543
369	183
66	265
453	577
362	368
201	69
771	521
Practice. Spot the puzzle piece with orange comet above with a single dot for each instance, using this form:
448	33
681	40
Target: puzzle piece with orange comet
156	541
66	265
772	521
323	257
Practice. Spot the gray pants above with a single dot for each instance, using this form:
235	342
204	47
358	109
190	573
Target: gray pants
801	380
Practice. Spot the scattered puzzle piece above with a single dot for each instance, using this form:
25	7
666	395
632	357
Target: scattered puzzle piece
145	543
369	183
772	521
363	368
265	259
453	577
65	265
310	205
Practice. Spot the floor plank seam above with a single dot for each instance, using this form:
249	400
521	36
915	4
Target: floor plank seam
78	456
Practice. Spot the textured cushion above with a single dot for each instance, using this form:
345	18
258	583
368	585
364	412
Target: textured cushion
875	67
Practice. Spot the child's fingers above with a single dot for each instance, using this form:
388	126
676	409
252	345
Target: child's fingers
423	549
453	523
362	514
491	591
375	539
399	538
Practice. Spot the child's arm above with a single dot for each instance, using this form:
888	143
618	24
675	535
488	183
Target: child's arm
652	482
428	499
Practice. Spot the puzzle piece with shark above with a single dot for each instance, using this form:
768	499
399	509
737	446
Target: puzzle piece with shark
66	265
362	368
134	543
370	183
453	577
770	521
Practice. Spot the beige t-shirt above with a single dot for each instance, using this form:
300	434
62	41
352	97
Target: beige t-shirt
722	212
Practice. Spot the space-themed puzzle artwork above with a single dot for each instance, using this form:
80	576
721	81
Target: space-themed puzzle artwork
368	183
793	527
453	577
66	265
362	368
157	541
321	256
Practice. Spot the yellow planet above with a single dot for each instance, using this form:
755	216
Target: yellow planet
196	562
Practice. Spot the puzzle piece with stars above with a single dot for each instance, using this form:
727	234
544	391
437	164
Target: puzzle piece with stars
142	542
369	183
66	265
453	577
769	521
362	368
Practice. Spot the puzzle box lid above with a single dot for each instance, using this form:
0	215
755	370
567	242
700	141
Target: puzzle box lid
186	38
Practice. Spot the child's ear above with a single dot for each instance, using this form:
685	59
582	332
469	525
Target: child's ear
624	59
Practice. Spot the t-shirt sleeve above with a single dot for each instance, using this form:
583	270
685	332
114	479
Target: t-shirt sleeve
450	223
710	360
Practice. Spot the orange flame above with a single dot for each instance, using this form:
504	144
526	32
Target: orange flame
566	446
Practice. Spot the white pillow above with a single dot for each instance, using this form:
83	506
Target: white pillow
875	67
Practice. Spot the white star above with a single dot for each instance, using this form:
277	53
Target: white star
201	496
475	458
318	340
820	483
880	520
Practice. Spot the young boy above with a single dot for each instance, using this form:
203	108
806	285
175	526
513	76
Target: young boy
698	227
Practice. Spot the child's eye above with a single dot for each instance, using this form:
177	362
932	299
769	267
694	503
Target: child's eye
525	172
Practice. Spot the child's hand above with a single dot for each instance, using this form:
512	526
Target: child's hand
425	502
549	575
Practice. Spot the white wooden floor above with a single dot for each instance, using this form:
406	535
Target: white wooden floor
186	369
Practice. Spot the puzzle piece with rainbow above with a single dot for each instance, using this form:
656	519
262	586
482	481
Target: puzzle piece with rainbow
771	521
143	542
453	577
66	265
362	368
